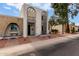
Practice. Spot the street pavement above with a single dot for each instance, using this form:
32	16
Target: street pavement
68	45
64	49
70	48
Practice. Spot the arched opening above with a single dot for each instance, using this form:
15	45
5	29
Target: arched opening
12	30
31	20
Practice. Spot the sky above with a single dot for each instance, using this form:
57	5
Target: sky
13	9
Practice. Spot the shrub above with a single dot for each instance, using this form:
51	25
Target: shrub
54	31
73	30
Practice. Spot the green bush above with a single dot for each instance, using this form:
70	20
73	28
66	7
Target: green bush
73	30
54	31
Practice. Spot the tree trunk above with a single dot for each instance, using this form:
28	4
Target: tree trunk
62	28
67	28
50	29
67	25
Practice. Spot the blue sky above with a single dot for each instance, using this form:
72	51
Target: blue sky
6	9
13	9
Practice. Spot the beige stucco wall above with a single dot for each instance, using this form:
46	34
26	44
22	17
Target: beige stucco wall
6	20
76	28
58	27
71	27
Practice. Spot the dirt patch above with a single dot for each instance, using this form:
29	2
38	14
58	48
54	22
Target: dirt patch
21	40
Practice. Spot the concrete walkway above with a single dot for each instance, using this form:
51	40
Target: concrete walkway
34	46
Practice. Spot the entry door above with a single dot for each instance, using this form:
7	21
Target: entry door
28	29
43	30
31	29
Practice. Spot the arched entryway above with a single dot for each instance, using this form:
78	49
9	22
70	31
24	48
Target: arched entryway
12	30
31	21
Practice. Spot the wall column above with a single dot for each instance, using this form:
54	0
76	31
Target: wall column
24	15
38	23
47	25
24	27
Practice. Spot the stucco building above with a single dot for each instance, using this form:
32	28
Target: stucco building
32	21
61	28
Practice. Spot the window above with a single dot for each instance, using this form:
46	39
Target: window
13	27
31	12
42	17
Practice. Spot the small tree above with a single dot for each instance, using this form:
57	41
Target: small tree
62	10
52	23
73	28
